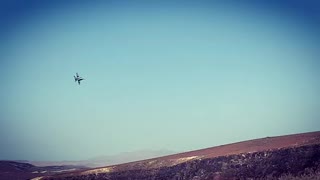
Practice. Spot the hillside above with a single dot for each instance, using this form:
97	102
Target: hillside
10	170
260	158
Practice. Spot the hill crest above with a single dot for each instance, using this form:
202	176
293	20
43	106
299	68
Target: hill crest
244	148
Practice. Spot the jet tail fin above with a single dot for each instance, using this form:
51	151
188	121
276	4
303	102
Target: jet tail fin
75	79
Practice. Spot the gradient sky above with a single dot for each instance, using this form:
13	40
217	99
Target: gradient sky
175	75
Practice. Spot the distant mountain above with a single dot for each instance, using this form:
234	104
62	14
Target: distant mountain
267	158
11	170
130	157
109	160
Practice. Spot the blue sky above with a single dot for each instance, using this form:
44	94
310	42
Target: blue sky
175	75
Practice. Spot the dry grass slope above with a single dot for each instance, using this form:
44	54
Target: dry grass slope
284	157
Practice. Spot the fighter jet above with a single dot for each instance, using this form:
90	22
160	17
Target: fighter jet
78	78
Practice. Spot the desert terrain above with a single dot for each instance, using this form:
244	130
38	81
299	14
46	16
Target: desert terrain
282	157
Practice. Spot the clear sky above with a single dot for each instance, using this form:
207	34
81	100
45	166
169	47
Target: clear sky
175	75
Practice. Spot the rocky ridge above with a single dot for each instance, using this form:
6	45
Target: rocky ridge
255	159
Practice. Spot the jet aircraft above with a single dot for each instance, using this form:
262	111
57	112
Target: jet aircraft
78	78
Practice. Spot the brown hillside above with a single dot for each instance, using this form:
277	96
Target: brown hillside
270	146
